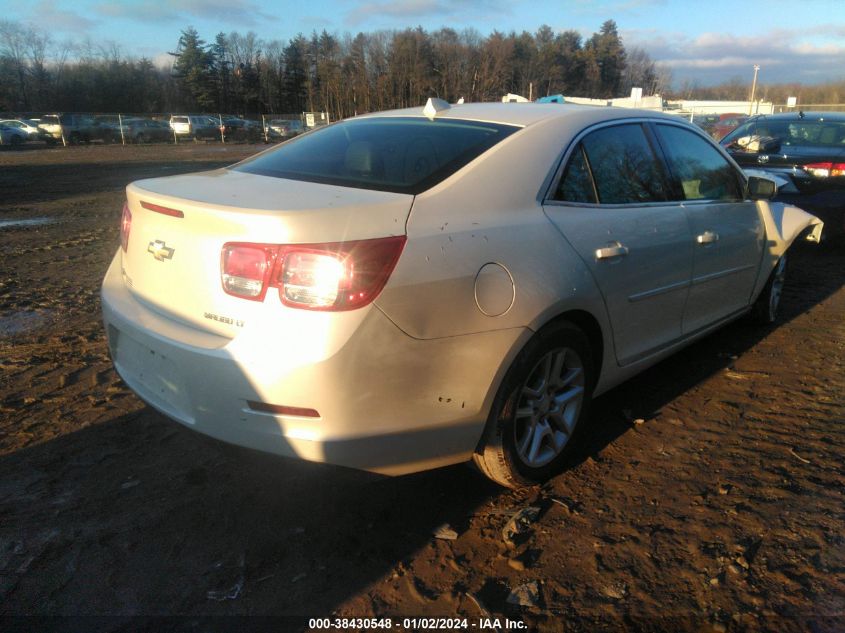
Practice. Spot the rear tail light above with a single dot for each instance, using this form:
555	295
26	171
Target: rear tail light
245	269
313	279
125	226
334	276
825	170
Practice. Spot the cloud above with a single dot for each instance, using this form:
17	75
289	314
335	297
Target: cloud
604	9
783	54
163	60
49	17
316	22
403	10
236	12
145	11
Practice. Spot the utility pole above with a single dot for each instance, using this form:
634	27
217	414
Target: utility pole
753	90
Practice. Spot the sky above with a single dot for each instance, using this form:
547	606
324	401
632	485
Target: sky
702	41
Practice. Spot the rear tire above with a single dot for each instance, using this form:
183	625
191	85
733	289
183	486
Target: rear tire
540	404
765	309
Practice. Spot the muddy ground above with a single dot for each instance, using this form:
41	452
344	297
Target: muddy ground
707	495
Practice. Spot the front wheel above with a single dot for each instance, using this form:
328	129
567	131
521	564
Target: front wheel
765	309
544	397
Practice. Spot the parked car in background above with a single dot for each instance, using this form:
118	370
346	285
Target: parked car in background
108	127
727	123
27	130
284	128
706	121
807	150
553	252
195	126
236	129
141	130
10	135
75	128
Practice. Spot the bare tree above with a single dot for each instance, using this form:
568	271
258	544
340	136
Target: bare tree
13	39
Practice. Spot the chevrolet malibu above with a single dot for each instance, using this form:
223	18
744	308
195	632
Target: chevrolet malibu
410	289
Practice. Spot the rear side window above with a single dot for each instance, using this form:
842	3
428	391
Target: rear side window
623	167
761	127
699	170
401	154
817	133
577	183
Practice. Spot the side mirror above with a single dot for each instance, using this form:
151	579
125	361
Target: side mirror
761	188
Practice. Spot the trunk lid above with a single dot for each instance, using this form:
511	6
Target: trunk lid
172	263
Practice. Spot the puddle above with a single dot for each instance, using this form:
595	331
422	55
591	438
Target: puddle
21	321
6	224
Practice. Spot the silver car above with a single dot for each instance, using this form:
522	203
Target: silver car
410	289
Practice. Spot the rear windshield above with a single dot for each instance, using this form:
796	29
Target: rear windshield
401	154
791	132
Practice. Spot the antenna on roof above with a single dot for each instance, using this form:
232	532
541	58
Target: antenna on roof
433	106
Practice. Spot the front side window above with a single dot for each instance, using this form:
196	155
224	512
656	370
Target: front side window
401	154
701	172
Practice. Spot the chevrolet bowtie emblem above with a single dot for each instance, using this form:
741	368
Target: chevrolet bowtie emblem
160	251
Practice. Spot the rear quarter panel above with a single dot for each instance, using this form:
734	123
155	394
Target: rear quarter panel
490	212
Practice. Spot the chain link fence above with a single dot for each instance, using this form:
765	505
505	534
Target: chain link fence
125	128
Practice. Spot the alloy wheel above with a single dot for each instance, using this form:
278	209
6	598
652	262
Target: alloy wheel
548	406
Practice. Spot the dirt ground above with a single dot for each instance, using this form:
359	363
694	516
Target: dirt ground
707	494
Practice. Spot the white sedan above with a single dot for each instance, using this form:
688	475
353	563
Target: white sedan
19	131
410	289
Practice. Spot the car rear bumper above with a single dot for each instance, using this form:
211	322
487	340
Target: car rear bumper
386	402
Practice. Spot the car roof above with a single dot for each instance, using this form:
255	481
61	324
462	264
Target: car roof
525	114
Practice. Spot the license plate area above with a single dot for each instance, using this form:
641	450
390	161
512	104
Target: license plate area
153	375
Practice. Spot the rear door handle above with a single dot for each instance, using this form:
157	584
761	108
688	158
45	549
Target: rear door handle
613	249
708	237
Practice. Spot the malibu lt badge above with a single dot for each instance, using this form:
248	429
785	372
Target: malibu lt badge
160	250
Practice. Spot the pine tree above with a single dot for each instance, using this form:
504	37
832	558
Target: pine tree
609	54
193	71
222	72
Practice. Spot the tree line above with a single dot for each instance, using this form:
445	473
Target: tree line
342	75
737	89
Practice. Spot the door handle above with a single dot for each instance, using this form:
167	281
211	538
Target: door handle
708	237
613	249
